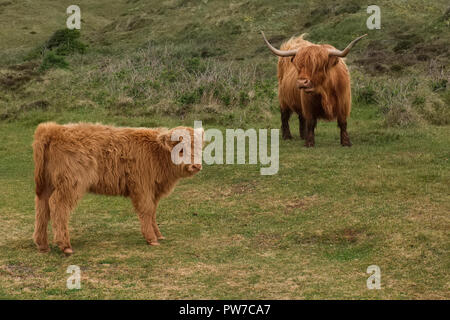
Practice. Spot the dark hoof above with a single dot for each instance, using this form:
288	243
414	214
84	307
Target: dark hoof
287	137
309	143
346	144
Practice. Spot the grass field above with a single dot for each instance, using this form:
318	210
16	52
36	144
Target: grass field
308	232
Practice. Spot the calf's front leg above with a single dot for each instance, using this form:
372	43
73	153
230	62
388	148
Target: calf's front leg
146	211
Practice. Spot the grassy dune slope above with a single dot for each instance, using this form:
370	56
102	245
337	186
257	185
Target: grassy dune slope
309	231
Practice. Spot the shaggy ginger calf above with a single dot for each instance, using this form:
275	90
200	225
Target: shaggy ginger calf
73	159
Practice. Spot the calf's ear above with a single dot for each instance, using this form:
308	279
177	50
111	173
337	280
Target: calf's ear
165	139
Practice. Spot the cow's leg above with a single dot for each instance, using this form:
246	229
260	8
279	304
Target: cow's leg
61	203
146	209
310	126
285	131
156	229
301	126
42	218
345	139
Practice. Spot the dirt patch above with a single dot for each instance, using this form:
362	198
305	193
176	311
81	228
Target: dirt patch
3	5
243	188
14	81
348	235
303	203
24	66
18	270
36	105
403	51
340	236
19	75
128	24
431	50
266	240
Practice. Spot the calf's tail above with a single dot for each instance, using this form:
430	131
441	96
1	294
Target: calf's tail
39	148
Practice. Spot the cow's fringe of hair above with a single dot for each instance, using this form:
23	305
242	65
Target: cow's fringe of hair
295	42
336	105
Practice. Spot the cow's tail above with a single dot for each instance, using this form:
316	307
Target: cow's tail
40	143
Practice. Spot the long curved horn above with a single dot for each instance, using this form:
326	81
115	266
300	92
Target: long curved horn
280	53
342	54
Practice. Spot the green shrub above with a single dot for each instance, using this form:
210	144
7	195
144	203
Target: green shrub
62	43
195	65
190	97
399	114
435	111
168	75
365	94
440	84
350	7
66	42
265	89
52	60
403	45
244	99
402	101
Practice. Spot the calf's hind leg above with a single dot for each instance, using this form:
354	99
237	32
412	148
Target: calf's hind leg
61	203
41	222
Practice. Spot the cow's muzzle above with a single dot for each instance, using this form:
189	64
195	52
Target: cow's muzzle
195	168
305	84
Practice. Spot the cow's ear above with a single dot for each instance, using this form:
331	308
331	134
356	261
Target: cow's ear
165	139
332	61
292	61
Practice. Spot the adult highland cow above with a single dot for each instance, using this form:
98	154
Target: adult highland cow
314	82
73	159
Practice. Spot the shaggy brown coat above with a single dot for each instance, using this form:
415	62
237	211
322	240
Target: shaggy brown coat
325	89
73	159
